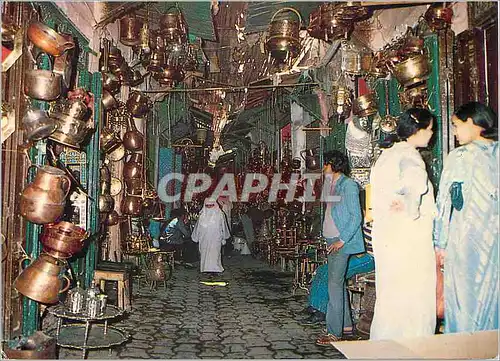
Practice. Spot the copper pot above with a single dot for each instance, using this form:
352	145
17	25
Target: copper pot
106	203
311	158
133	140
42	84
411	71
365	105
439	17
135	78
156	61
48	40
134	186
138	104
113	218
157	41
42	280
169	75
38	346
132	169
63	240
413	45
130	30
173	27
74	108
70	131
43	200
325	26
132	205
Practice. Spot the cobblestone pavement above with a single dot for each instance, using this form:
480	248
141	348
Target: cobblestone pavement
254	316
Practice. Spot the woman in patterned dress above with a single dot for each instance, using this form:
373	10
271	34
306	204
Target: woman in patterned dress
466	229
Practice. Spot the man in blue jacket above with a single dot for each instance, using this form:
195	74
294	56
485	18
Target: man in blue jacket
342	229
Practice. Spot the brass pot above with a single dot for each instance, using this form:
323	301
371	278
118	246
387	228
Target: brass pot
157	41
389	123
131	205
44	199
283	42
42	280
365	105
109	141
130	30
411	71
133	140
48	40
325	26
169	75
74	108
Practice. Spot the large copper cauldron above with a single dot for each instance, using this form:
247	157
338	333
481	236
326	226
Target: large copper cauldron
42	280
63	240
283	42
43	200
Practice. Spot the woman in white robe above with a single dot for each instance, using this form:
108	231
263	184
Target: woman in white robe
403	213
210	232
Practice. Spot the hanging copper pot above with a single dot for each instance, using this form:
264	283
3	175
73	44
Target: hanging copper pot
439	16
415	97
311	158
351	11
48	40
115	56
138	104
130	30
106	202
134	186
173	26
156	61
44	199
169	75
283	42
63	240
132	205
134	78
108	101
132	169
365	105
109	140
411	71
42	280
325	26
157	41
133	140
37	124
113	218
70	131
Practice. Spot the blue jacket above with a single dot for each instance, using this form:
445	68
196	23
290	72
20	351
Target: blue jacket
347	216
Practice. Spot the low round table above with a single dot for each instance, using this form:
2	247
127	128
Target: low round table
82	335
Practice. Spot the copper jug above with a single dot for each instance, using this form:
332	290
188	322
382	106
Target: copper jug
43	200
132	168
311	158
138	104
133	140
132	205
42	280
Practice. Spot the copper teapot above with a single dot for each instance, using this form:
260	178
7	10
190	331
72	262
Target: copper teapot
42	280
43	200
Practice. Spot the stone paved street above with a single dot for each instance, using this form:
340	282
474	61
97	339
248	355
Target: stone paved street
254	316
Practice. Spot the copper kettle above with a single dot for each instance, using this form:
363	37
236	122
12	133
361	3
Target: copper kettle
42	280
133	140
43	200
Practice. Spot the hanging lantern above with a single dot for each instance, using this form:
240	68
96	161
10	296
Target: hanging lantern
283	42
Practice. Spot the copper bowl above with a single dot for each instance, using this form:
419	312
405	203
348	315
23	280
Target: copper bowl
411	71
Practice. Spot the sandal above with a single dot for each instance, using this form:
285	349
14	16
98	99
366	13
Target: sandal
327	340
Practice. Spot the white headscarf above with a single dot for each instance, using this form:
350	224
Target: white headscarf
211	219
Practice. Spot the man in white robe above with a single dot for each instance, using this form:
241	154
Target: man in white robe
210	232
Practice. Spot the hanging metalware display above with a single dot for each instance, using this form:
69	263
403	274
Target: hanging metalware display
283	42
325	26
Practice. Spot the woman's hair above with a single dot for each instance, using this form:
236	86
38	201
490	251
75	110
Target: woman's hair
177	213
482	116
410	122
337	160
